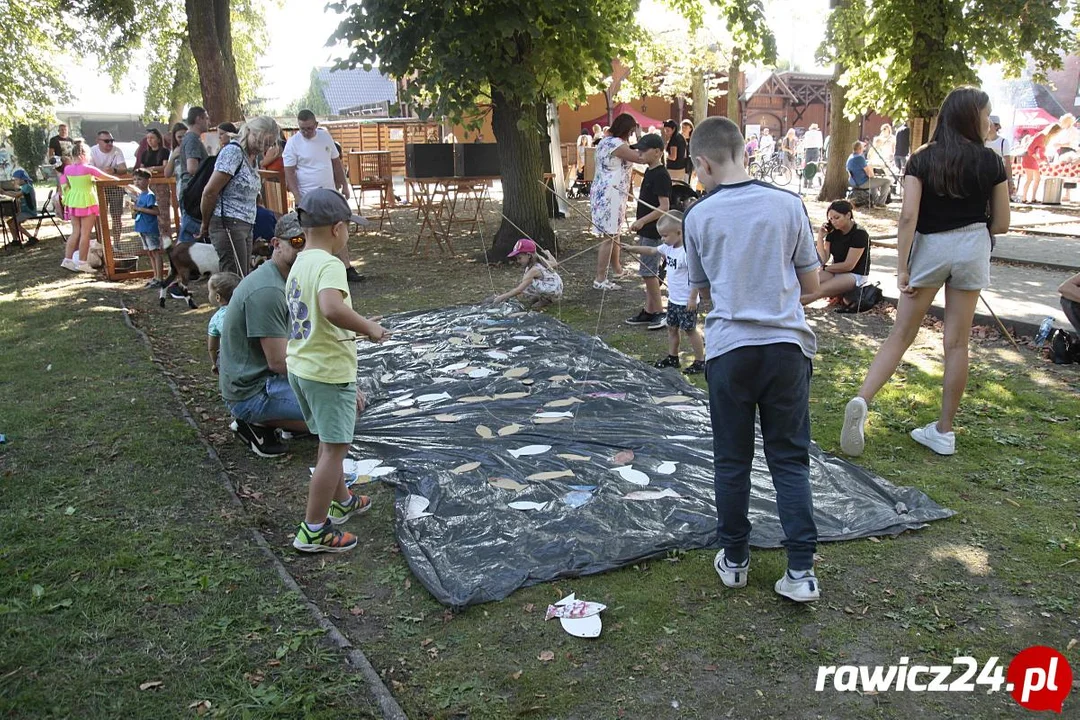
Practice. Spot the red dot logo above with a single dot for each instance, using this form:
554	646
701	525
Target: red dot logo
1039	678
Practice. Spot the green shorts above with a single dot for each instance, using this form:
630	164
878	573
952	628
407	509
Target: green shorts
329	408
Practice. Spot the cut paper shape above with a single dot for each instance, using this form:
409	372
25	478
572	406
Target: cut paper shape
551	475
511	429
358	467
467	467
527	338
623	457
381	471
527	381
447	417
565	402
666	468
560	378
387	378
574	609
455	367
457	341
576	498
549	420
608	395
506	484
351	480
672	399
497	355
526	505
405	402
686	408
571	456
683	437
484	431
588	627
517	348
529	450
516	372
517	395
631	475
406	412
554	414
481	373
475	399
416	507
652	494
433	397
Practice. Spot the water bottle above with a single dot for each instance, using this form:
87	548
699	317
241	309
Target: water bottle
1044	331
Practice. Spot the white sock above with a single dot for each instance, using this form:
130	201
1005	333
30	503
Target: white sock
314	527
799	574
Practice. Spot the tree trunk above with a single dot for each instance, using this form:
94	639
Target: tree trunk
176	103
700	96
212	47
733	113
522	170
843	133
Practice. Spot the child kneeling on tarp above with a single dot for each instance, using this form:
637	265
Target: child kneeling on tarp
540	285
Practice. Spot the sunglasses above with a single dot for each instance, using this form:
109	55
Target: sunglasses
108	141
298	241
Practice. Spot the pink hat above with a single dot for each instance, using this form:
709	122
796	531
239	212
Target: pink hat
524	245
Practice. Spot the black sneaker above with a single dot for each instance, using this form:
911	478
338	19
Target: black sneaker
642	318
352	276
669	361
658	322
696	368
263	441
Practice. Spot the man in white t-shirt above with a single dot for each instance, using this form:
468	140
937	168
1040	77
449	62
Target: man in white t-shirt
312	161
1000	144
105	156
812	143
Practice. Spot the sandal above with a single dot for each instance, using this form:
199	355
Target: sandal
605	285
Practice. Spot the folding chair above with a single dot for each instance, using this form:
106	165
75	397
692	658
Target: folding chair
44	214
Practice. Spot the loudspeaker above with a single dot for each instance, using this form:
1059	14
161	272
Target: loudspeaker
429	160
476	160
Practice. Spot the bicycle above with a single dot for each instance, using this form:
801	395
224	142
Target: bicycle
771	169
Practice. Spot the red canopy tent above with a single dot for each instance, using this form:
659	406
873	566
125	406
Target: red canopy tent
643	120
1031	119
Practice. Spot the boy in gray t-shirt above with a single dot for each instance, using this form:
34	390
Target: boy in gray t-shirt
754	266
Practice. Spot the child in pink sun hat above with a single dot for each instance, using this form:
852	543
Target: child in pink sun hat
540	285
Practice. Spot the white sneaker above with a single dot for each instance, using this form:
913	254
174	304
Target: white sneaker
605	285
233	426
852	441
801	589
85	267
939	442
69	264
733	576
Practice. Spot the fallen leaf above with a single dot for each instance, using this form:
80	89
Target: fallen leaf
623	457
566	402
512	395
672	399
1012	502
467	467
1071	645
516	675
357	610
551	475
511	429
873	539
530	607
151	684
571	456
426	641
484	431
201	707
546	656
506	484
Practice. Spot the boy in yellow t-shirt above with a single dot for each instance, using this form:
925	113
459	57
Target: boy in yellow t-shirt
322	366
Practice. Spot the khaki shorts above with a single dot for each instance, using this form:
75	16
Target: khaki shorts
329	408
958	258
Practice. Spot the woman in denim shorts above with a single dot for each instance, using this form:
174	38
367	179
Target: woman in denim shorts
944	238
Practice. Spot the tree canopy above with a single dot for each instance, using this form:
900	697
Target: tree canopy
31	82
902	57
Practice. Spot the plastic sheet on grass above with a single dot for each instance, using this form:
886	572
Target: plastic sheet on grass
527	451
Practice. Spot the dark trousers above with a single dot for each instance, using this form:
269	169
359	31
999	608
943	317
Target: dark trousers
775	381
1072	311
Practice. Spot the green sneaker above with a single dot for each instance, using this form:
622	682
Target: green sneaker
340	513
326	539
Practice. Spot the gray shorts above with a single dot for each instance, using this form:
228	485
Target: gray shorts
150	241
958	258
649	265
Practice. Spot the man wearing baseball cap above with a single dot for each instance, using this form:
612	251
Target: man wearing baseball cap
253	379
27	207
321	361
655	192
1000	144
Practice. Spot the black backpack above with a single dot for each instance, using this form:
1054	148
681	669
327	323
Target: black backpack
1064	350
191	199
860	299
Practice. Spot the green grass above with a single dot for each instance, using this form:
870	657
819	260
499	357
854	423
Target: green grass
998	577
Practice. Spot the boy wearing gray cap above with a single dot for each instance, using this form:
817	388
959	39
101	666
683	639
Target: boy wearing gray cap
321	360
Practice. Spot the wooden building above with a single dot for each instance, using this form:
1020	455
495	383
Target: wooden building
783	100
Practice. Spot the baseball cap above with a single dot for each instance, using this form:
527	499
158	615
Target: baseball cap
21	174
322	207
524	245
649	141
995	120
288	227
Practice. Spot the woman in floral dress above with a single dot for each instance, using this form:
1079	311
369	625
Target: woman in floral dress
610	189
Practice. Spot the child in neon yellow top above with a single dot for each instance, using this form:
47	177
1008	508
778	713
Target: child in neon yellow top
322	368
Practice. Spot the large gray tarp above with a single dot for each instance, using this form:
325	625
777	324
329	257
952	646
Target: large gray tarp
473	547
